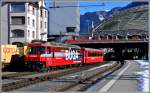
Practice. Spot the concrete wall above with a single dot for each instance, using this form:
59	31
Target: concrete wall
60	18
4	23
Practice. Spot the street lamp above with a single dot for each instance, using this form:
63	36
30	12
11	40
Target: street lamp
92	29
88	24
119	23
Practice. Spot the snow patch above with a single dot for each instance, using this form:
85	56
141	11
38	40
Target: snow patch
143	78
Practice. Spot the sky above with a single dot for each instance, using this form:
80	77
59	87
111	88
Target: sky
107	5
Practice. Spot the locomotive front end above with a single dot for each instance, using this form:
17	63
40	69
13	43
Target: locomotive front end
33	58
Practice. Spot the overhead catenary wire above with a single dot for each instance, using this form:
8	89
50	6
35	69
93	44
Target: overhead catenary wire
103	4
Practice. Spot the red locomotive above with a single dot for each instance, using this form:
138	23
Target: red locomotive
45	55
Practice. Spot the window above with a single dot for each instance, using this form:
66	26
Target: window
45	14
70	29
33	11
17	7
45	24
33	22
48	50
41	13
18	20
92	54
28	33
41	24
29	8
28	20
33	34
17	33
37	49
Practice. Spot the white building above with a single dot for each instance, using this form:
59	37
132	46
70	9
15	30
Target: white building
64	22
23	22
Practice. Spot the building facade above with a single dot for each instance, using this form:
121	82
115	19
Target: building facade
23	22
4	23
64	20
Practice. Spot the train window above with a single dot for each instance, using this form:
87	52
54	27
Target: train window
48	50
94	53
53	53
99	54
91	54
36	50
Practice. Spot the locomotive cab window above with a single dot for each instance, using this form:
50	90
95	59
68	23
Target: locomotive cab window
36	50
48	50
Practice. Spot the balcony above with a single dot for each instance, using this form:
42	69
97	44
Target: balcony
19	39
17	20
17	33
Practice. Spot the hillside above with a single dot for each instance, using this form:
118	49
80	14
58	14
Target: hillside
91	19
131	18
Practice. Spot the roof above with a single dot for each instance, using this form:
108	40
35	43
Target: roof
53	44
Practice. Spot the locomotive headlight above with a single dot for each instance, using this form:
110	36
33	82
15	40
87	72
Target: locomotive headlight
33	55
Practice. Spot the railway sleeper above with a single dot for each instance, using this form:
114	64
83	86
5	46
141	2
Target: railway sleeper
87	80
32	81
95	80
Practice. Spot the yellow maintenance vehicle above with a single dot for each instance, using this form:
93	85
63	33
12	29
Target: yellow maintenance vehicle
7	51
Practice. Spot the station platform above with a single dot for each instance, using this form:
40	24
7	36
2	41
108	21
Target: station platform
126	80
122	80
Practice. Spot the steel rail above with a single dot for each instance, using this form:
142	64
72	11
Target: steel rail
28	81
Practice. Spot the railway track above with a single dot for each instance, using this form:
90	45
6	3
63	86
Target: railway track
20	74
88	80
11	75
78	81
17	74
36	79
